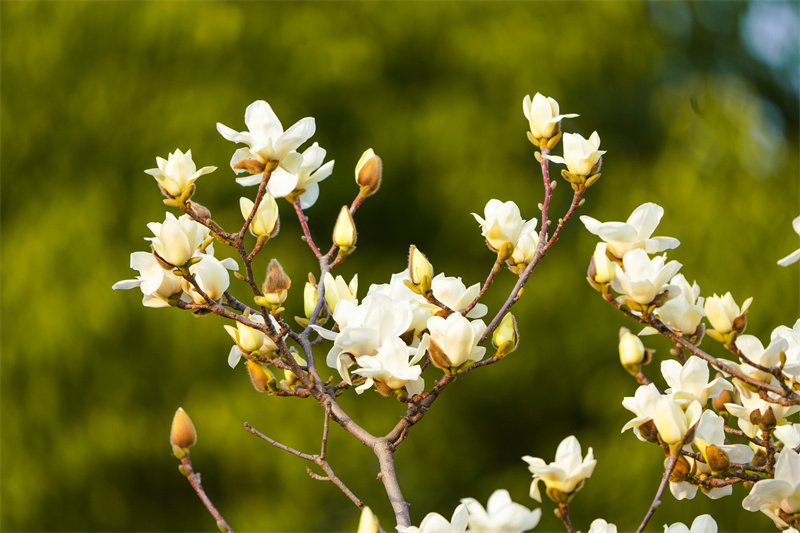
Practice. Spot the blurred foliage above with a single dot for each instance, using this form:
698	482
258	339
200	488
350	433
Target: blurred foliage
696	104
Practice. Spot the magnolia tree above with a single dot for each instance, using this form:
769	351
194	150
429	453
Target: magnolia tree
720	422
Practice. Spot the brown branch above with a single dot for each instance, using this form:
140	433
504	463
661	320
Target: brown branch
194	479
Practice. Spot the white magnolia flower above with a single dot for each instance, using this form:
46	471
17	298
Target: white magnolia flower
564	476
642	278
454	294
436	523
250	340
779	494
788	434
601	526
177	174
702	524
794	256
337	289
684	312
212	277
673	422
580	155
501	515
791	368
526	247
305	179
157	285
177	239
502	224
643	404
689	382
751	347
752	407
453	341
543	117
722	311
265	221
397	290
266	139
603	266
634	233
391	368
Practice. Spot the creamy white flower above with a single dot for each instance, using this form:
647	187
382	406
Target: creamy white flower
249	340
752	348
212	277
702	524
634	233
454	294
542	114
689	382
157	285
788	434
794	256
266	139
265	221
631	349
643	404
752	405
177	239
392	368
673	422
580	155
502	224
642	278
453	341
601	526
501	515
397	290
779	494
684	312
791	368
305	179
177	173
604	267
337	289
722	311
526	246
565	475
436	523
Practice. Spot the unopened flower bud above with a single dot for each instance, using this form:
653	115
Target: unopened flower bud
344	232
276	286
420	269
603	266
252	166
505	337
765	420
182	435
631	351
291	381
717	459
265	221
721	399
368	173
262	378
309	299
367	523
681	471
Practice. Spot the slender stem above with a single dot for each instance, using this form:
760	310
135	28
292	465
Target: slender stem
194	479
673	459
306	231
492	273
563	513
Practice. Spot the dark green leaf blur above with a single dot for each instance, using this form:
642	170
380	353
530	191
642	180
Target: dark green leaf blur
696	104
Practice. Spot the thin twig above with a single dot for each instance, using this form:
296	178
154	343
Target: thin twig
563	513
194	479
673	459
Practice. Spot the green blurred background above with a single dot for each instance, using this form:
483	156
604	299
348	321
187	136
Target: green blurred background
696	104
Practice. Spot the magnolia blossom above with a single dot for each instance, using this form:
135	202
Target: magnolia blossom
265	220
436	523
211	276
337	289
753	411
249	340
157	285
794	256
603	266
501	515
709	440
582	156
542	115
397	290
634	233
563	477
526	247
642	278
752	348
391	368
177	174
770	496
452	293
453	341
601	526
702	524
722	311
788	434
503	224
791	368
177	239
673	422
304	181
689	382
265	139
643	404
685	312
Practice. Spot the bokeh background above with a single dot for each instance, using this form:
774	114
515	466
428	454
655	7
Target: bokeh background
696	104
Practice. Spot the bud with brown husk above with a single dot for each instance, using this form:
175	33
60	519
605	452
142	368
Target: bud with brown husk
275	288
716	459
182	435
682	470
720	400
253	166
262	378
764	419
369	171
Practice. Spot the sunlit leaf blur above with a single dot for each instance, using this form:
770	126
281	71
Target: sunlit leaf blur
697	106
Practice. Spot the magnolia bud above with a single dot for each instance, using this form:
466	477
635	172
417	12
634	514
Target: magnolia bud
631	351
368	173
717	459
182	435
276	286
604	267
765	420
344	232
291	381
721	399
681	471
253	166
505	337
420	269
367	523
265	220
262	379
